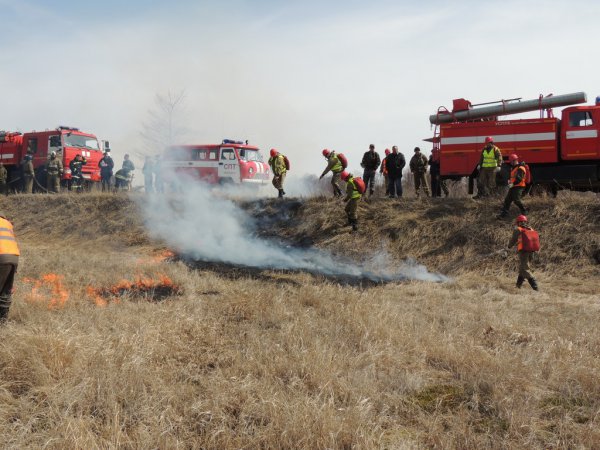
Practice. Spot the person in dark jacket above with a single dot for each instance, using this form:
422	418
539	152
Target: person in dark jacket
394	163
370	162
437	183
106	165
418	166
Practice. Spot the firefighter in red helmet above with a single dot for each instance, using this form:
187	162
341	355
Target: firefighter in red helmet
335	166
353	196
489	164
277	161
522	237
516	185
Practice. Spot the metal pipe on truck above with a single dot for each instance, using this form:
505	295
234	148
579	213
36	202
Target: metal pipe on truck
508	108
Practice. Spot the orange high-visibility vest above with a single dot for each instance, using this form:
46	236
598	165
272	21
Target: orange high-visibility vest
8	243
513	176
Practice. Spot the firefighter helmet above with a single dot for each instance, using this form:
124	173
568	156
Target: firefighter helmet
489	140
273	153
52	154
345	175
513	157
521	218
326	153
387	151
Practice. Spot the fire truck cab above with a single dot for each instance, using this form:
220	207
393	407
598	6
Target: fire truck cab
65	141
561	153
231	162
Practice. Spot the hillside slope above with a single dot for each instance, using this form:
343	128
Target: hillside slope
111	344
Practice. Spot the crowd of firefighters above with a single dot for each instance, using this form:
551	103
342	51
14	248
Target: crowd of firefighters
392	166
54	171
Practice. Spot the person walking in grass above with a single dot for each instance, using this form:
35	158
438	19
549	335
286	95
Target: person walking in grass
527	241
353	196
9	260
334	164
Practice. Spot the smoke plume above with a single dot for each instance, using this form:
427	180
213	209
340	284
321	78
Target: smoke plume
204	225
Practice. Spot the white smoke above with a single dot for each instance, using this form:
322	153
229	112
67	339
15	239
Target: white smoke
202	224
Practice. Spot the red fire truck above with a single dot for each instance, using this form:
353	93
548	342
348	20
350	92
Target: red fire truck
65	141
231	162
561	153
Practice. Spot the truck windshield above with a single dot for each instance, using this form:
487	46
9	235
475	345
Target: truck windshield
250	155
77	140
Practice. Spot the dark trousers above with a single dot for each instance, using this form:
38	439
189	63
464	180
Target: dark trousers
438	185
513	196
395	185
7	278
369	179
105	179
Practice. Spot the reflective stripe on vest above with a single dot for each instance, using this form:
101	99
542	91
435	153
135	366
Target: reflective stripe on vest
8	243
513	176
337	167
489	158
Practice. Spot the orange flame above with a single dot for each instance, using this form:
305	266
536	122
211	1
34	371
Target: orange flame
157	258
140	286
48	288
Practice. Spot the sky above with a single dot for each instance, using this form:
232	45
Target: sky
298	76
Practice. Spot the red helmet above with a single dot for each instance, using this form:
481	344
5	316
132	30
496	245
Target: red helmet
345	175
387	151
512	158
521	218
273	153
489	140
326	152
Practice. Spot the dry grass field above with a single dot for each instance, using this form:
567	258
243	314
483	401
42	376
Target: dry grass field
112	343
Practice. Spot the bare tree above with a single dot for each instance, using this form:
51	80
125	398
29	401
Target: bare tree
163	126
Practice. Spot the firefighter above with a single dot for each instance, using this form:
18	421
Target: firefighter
383	171
489	164
28	173
76	174
148	171
353	196
3	179
335	166
9	260
516	185
279	169
106	165
418	166
54	170
524	256
437	183
370	162
127	168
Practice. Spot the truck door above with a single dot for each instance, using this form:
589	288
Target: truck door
229	167
54	144
580	135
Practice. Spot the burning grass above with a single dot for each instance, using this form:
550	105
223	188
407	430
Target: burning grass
143	287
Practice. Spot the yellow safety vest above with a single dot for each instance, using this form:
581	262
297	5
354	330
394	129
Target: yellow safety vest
337	167
352	185
8	243
489	158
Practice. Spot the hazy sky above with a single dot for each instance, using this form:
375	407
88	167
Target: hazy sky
296	75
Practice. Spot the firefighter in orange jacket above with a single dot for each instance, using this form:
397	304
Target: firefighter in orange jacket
353	196
516	184
524	256
9	260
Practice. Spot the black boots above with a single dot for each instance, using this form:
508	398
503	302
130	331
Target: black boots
520	280
281	193
531	281
533	284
